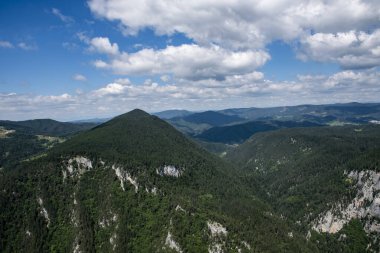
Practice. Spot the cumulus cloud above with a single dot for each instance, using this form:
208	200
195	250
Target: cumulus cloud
350	49
63	18
239	24
103	45
341	31
5	44
245	90
187	61
79	77
110	89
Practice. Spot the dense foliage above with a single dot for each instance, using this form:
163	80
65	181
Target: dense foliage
240	132
301	172
211	118
92	212
46	127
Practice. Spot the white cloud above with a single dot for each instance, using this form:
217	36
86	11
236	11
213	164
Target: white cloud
240	24
165	78
103	45
82	36
6	44
245	90
63	18
110	89
350	49
188	61
345	32
79	77
27	47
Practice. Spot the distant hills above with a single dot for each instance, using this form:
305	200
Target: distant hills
30	138
46	127
169	114
240	132
211	118
232	126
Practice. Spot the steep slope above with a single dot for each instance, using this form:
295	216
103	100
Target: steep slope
135	184
240	132
325	179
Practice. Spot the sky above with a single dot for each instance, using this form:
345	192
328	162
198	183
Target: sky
73	59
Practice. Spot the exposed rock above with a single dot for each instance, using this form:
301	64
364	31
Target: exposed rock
215	248
169	170
171	243
108	221
113	241
124	176
5	132
43	211
179	208
216	228
152	191
76	246
247	245
76	167
365	205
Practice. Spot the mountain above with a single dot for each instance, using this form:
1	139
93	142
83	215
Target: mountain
325	179
135	184
93	120
211	118
21	140
46	127
331	114
172	114
323	114
240	132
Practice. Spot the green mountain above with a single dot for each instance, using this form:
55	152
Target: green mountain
323	114
325	179
135	184
240	132
46	127
211	118
21	140
169	114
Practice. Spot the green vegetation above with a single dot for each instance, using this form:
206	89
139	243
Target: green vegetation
212	118
240	132
92	212
46	127
26	140
301	172
266	194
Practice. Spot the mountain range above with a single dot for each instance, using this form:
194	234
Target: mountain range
135	183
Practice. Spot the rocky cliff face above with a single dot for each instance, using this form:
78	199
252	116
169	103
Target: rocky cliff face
364	206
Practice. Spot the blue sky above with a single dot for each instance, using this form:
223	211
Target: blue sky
80	59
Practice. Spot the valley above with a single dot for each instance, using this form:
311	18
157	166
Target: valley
137	184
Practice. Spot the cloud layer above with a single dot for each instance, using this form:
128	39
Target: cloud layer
350	49
190	62
239	24
246	90
342	32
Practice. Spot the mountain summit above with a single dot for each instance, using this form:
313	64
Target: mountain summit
135	184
